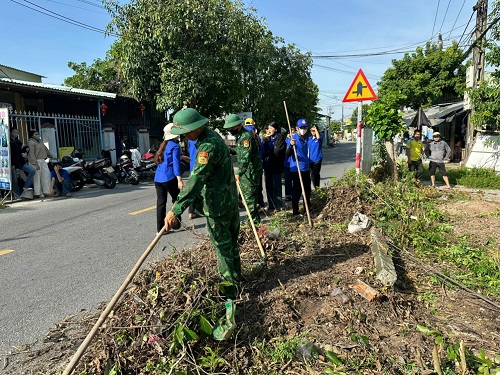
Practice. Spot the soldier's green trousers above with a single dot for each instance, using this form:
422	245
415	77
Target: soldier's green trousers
224	231
250	191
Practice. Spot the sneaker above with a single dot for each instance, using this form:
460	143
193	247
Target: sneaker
42	195
450	187
68	195
57	195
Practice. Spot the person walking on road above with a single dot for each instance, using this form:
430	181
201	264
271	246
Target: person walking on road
249	164
168	176
315	146
37	154
438	151
299	142
213	177
415	154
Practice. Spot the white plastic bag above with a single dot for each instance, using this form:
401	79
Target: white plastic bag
359	222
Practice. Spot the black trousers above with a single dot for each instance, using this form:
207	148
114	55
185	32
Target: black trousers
315	170
297	189
162	191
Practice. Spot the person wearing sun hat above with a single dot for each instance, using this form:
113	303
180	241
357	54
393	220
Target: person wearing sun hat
168	174
438	151
249	164
213	178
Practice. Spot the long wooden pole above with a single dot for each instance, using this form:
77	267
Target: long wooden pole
298	168
83	346
251	221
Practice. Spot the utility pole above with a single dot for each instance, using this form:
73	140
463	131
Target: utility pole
481	9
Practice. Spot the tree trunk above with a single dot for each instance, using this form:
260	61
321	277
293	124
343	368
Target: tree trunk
391	160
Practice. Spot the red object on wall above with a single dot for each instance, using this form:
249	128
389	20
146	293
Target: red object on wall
104	108
142	107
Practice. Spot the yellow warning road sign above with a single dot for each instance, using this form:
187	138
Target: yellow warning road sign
360	89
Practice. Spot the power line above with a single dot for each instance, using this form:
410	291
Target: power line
75	6
435	16
60	17
91	3
474	11
456	19
445	13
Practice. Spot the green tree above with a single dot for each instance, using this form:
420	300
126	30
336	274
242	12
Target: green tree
101	75
215	55
354	116
386	121
428	76
335	126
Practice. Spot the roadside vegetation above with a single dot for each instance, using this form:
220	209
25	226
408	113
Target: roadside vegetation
442	313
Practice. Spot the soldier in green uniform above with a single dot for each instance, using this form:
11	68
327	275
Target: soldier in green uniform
250	166
213	177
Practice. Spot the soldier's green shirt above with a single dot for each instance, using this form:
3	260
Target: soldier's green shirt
248	156
212	176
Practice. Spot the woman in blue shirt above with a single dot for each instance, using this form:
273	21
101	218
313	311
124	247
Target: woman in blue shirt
299	141
168	174
314	143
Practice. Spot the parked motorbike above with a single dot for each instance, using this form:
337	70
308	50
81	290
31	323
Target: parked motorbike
125	170
75	168
100	171
147	169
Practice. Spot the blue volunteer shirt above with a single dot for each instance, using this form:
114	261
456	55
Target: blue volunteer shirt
62	172
171	166
315	149
192	150
302	154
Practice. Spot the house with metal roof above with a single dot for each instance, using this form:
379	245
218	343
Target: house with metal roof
78	116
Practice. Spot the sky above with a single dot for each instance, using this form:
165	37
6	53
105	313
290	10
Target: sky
339	34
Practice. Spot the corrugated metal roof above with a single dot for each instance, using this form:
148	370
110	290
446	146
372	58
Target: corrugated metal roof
61	88
437	113
24	71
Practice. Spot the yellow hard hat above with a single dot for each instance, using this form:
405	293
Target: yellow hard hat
249	121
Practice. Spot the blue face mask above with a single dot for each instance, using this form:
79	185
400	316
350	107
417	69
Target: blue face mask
15	135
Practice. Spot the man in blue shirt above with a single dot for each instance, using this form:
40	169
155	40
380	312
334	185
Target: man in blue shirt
299	142
61	182
315	143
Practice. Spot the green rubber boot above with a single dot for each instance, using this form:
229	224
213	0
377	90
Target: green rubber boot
226	325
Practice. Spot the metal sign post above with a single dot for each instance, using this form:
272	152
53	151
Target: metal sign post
359	91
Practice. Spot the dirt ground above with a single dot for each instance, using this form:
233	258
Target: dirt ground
290	298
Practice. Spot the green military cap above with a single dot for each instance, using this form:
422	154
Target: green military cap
232	120
187	120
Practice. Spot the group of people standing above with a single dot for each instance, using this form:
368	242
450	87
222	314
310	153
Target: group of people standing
214	180
437	151
39	179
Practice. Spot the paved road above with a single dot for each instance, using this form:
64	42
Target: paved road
73	253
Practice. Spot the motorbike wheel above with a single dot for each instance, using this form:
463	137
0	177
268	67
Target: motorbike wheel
109	182
78	183
134	178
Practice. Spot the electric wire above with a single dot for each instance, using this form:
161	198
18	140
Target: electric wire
91	3
76	6
62	18
456	19
435	17
445	13
474	11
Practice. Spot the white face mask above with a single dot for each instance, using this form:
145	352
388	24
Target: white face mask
302	131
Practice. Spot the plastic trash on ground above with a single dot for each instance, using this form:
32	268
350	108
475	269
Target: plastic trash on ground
359	223
339	295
